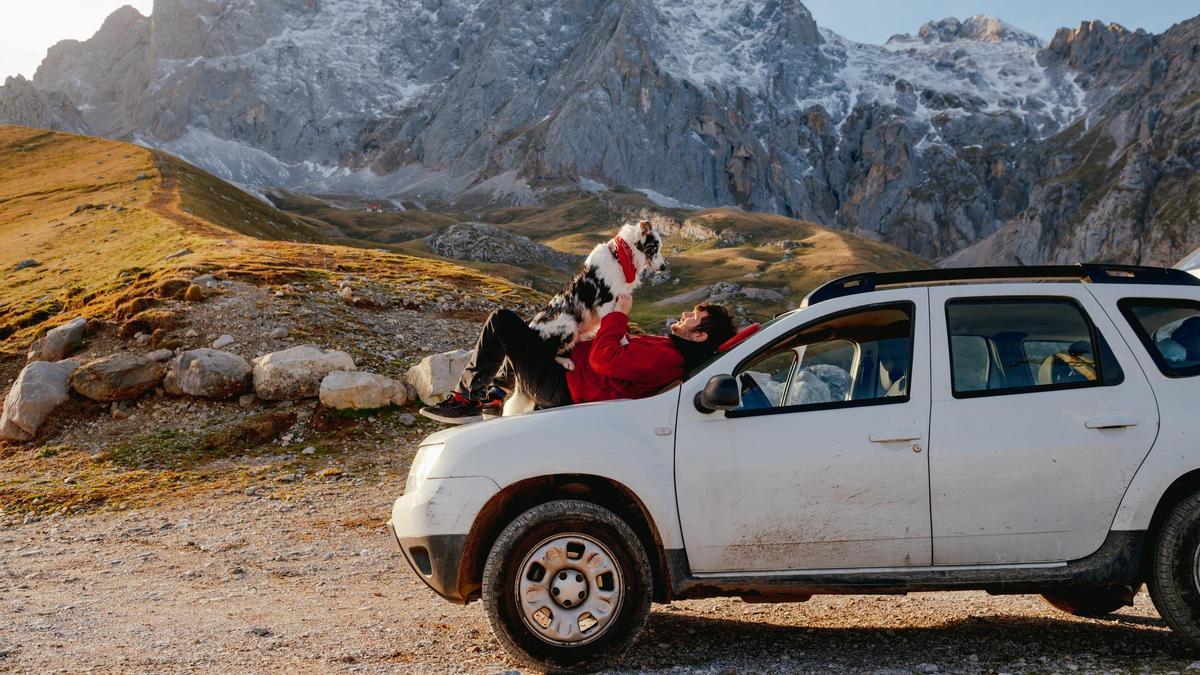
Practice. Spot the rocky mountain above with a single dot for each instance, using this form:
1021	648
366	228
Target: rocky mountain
1121	184
931	141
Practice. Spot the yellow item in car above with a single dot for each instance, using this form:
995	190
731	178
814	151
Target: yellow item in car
1064	367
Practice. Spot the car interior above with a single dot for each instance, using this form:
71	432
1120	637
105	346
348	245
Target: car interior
1019	344
855	357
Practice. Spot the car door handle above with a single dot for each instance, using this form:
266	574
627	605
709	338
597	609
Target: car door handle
1110	422
895	436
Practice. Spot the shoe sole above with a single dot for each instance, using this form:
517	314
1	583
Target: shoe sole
450	420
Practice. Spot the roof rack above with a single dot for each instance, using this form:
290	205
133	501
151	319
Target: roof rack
866	282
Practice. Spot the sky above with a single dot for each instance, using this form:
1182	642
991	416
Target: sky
30	28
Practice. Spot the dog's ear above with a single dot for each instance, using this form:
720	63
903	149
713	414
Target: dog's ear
646	227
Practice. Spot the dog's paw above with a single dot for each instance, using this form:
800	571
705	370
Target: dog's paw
565	362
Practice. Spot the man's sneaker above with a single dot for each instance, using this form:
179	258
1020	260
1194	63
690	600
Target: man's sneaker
492	405
457	409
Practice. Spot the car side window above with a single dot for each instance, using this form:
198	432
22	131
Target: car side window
1013	345
855	357
1169	330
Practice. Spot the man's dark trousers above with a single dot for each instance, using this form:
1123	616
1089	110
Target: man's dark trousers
506	337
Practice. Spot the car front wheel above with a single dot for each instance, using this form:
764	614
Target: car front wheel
1175	573
567	586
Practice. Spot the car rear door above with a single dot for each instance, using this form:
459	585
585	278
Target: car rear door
824	466
1041	416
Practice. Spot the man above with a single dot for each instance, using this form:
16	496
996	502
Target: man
612	365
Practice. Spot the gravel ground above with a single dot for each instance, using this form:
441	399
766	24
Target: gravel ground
241	583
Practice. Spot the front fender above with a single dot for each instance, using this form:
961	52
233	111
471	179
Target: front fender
630	442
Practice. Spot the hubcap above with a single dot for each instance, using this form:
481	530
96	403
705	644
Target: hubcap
569	588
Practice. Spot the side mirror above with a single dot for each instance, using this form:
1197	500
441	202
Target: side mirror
721	393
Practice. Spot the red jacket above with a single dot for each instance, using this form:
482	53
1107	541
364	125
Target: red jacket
606	369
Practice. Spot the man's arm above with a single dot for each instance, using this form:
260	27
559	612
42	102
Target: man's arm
614	356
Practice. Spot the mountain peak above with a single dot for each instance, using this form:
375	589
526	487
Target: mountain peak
978	28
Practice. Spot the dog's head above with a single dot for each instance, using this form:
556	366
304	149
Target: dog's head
646	243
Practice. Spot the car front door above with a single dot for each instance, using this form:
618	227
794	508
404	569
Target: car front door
823	466
1041	415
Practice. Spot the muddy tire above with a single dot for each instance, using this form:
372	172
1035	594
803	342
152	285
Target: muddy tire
1092	602
1175	571
567	586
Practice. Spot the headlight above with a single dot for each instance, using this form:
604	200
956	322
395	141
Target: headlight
422	464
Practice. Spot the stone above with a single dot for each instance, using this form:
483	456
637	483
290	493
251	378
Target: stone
179	254
40	388
261	631
223	342
247	400
161	355
117	378
26	264
193	294
352	390
436	375
141	339
297	372
279	333
207	373
59	342
310	450
407	419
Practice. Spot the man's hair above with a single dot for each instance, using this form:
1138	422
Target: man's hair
717	323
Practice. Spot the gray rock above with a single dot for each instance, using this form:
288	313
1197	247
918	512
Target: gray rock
117	378
436	375
350	390
310	450
161	355
59	342
26	264
279	333
178	254
480	242
223	342
207	373
39	389
297	372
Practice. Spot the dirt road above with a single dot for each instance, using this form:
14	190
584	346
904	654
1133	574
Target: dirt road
249	583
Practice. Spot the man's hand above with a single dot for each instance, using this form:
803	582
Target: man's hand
624	304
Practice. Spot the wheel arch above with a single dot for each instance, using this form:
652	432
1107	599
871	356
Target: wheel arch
1180	489
516	498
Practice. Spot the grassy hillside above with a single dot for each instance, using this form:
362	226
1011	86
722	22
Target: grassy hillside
762	252
101	220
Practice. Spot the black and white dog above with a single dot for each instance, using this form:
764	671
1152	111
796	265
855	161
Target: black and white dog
611	269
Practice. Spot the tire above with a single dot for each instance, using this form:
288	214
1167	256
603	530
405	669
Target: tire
1174	573
1092	602
567	540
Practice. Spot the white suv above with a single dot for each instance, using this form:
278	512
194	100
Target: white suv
1015	430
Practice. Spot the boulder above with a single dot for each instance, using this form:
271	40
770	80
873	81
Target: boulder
207	373
39	389
351	390
117	378
297	372
56	344
436	376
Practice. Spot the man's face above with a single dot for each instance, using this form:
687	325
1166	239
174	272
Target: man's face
686	326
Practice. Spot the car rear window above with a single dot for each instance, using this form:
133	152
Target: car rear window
1169	330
